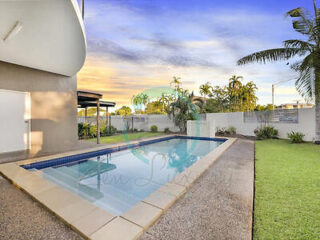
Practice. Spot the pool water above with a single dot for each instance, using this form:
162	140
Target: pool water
119	180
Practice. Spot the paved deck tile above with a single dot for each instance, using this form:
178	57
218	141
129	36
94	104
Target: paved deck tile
142	214
118	229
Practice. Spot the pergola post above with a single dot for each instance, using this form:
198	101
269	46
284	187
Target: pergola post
106	115
132	124
85	114
98	121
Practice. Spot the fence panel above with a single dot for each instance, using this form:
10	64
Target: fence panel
276	116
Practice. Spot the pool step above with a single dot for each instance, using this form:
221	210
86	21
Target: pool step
111	198
70	172
72	184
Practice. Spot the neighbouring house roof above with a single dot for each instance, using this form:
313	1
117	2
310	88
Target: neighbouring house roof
294	105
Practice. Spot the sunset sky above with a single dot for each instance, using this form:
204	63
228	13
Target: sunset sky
134	45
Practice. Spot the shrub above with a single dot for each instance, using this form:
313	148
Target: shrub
226	131
166	130
154	128
83	130
108	131
231	130
92	131
296	137
266	132
220	131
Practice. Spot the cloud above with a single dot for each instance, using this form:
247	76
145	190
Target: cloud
136	45
111	48
176	56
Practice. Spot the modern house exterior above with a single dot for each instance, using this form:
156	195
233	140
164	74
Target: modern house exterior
42	47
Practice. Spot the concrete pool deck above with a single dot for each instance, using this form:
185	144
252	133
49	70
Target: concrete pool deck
219	204
24	218
136	220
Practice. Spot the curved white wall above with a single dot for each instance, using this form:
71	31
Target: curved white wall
51	38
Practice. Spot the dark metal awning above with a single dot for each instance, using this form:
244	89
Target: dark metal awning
89	99
88	96
83	104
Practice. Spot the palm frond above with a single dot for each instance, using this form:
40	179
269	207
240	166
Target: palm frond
295	12
304	83
307	62
271	55
302	23
295	66
303	45
302	26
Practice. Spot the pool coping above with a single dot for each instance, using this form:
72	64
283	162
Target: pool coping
93	222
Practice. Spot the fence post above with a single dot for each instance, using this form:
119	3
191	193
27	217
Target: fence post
98	121
132	124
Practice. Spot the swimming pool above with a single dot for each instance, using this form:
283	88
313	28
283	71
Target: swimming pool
116	179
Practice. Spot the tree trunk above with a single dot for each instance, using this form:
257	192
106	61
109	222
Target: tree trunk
317	101
317	119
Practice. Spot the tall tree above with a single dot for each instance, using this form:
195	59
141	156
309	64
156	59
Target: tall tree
219	100
234	90
249	98
184	108
205	89
155	107
308	82
140	100
124	111
176	82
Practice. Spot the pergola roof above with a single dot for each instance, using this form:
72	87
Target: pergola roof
88	96
92	99
89	99
84	104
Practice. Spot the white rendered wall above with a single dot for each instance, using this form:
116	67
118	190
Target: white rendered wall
161	121
201	128
14	121
306	123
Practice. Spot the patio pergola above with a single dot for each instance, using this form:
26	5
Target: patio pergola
92	99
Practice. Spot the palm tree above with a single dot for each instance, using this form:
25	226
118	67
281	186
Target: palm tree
235	82
248	95
176	81
144	98
163	100
140	100
235	86
308	82
184	108
197	102
135	100
205	89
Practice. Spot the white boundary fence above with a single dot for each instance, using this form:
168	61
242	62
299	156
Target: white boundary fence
304	124
301	120
139	122
143	122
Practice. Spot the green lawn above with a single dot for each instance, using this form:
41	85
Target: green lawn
287	190
126	137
